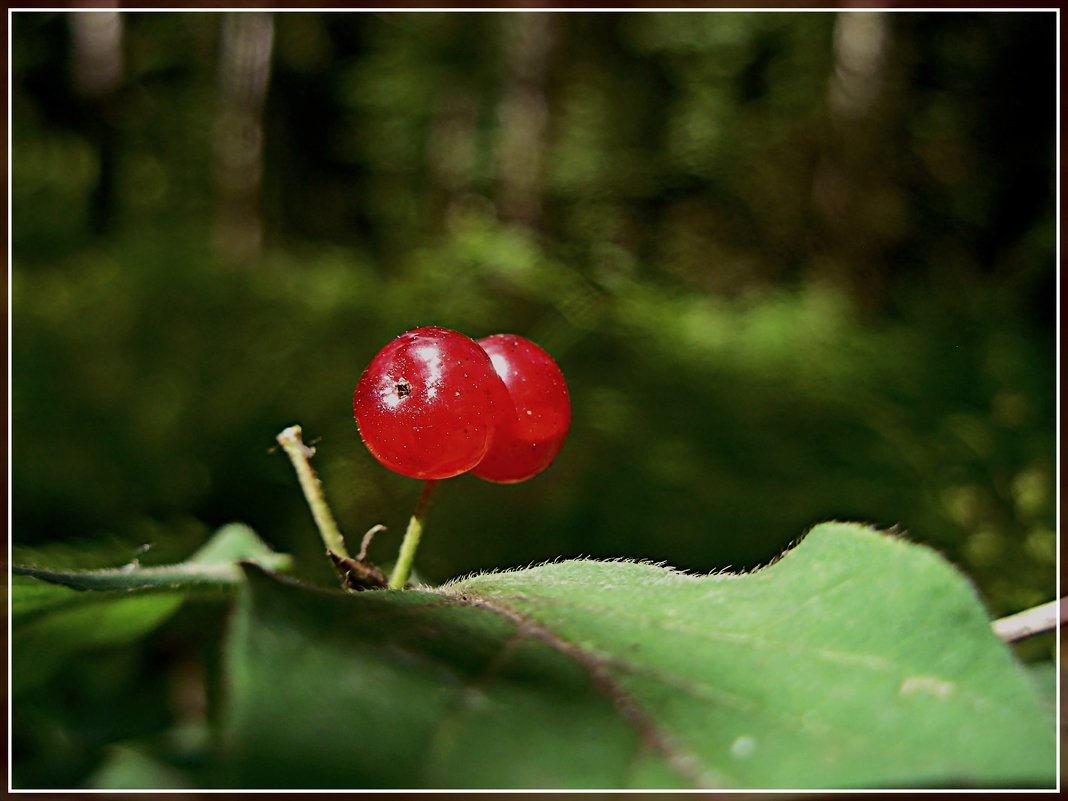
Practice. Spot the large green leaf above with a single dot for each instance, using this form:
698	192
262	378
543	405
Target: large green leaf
857	660
56	613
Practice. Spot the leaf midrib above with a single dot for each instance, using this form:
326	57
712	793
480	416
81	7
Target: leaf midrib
650	734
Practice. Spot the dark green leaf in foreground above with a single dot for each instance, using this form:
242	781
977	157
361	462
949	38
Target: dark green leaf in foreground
856	660
55	613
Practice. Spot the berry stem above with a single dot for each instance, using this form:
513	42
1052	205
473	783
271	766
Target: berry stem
298	454
399	579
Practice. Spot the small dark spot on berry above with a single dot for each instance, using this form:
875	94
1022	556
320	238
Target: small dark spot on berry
402	388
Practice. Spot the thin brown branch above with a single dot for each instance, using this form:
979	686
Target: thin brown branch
1036	620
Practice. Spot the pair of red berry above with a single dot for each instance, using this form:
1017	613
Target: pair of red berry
434	404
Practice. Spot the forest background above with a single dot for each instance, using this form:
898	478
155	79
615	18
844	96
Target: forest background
796	267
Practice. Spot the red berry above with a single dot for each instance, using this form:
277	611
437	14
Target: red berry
428	403
527	443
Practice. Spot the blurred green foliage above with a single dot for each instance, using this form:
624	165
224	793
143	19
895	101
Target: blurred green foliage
795	267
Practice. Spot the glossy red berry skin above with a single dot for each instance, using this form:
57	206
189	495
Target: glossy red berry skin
527	442
428	404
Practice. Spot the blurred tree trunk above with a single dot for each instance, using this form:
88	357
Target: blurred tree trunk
452	149
853	192
244	71
528	39
97	65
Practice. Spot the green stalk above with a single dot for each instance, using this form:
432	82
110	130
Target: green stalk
298	454
403	568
